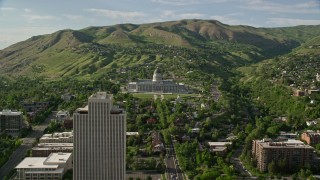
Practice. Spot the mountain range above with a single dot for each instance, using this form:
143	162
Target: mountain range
181	46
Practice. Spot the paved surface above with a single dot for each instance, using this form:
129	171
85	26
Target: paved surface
237	164
143	175
173	171
21	151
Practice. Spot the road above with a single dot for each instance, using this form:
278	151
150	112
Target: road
173	170
21	151
237	164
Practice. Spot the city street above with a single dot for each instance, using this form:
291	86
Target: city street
21	151
237	164
173	170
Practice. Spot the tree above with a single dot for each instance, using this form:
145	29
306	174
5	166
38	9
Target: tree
272	167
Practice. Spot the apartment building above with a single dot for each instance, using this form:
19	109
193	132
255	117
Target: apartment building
294	151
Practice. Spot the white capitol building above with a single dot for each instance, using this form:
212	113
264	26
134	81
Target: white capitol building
157	85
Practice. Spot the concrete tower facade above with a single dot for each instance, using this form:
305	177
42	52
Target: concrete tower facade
99	140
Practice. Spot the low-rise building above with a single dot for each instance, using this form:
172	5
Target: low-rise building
62	115
219	147
311	137
52	167
63	137
295	152
289	135
10	121
45	149
67	97
299	93
195	130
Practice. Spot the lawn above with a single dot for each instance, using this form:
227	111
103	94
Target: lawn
166	96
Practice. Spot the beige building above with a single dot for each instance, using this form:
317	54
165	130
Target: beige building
157	85
44	168
311	137
45	149
219	147
10	121
99	140
63	137
295	152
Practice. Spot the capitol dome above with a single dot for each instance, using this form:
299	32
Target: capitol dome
157	75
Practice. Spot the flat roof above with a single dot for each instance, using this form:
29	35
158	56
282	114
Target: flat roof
69	148
290	143
101	95
35	162
288	133
58	135
10	113
55	145
218	149
294	141
132	133
219	143
52	161
83	109
58	158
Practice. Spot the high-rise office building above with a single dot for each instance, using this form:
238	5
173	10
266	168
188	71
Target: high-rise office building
99	140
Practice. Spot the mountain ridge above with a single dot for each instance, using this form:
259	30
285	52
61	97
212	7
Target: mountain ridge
68	51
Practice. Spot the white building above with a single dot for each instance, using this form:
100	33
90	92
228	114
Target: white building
157	85
63	137
99	140
51	167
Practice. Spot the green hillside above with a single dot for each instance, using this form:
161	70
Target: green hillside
187	49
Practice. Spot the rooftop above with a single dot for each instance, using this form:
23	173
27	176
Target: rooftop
218	149
10	113
290	143
59	113
52	161
55	145
35	162
101	95
132	133
83	110
57	158
58	135
219	143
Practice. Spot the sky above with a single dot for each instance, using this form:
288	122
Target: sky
22	19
